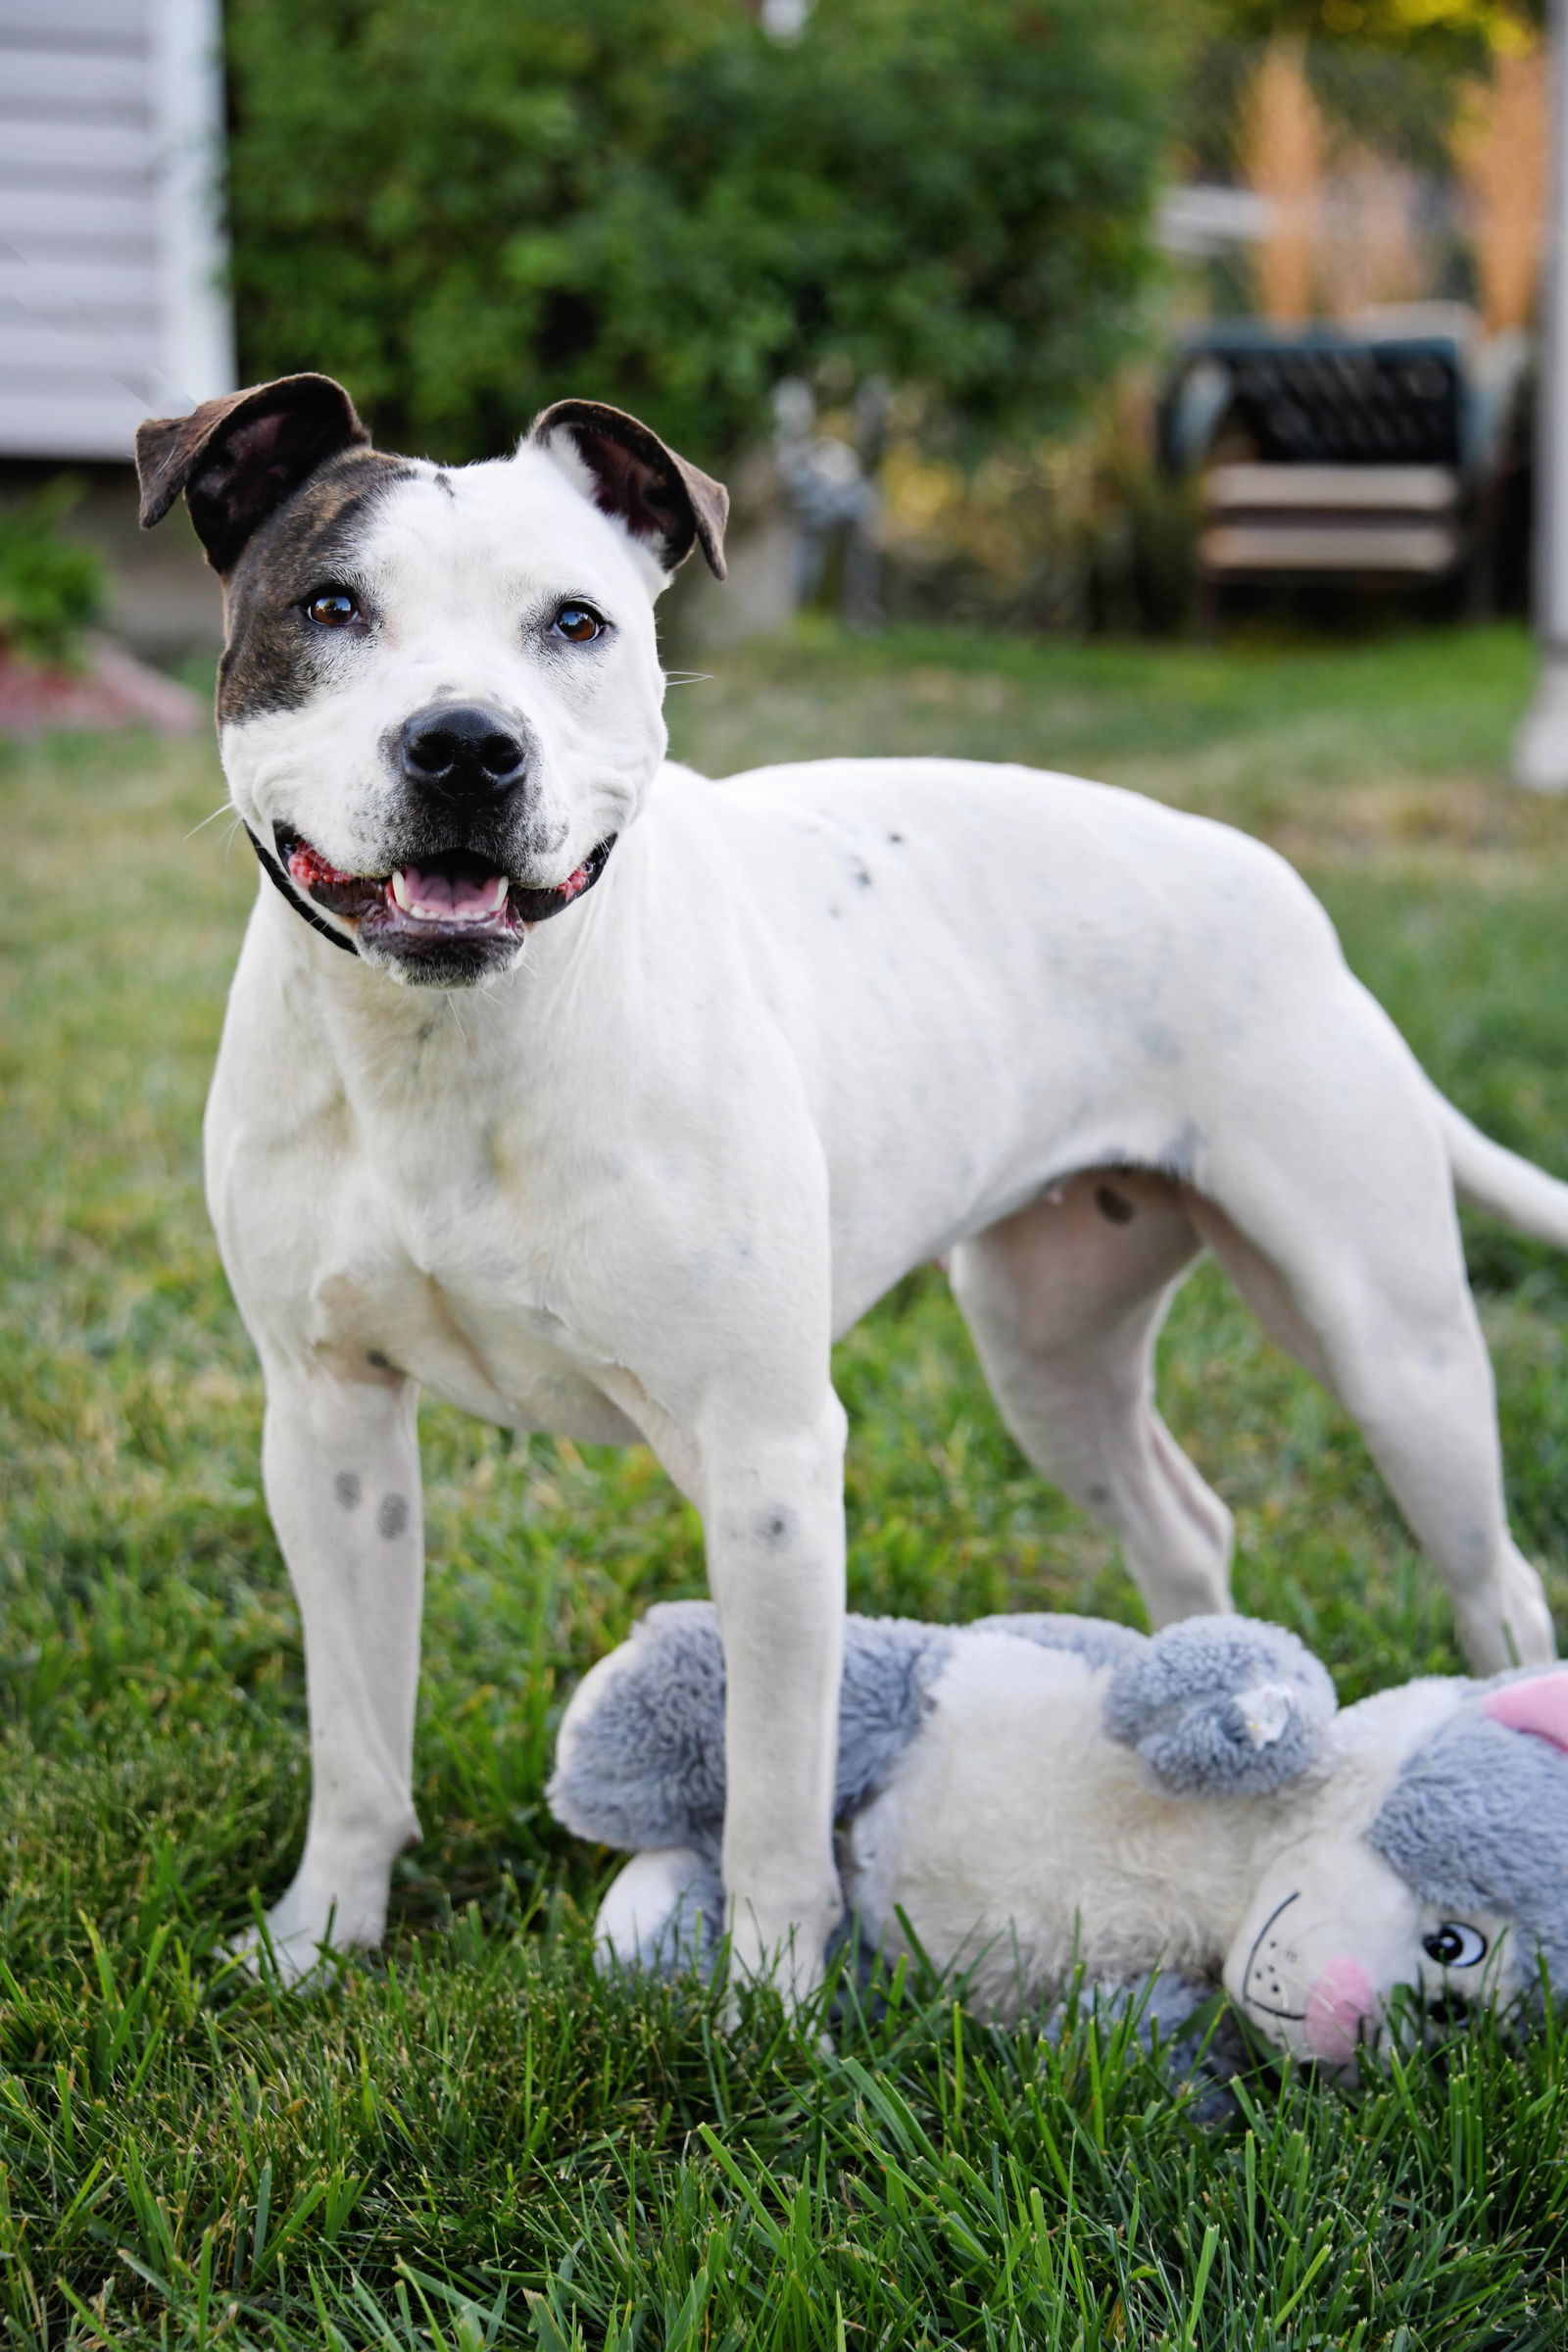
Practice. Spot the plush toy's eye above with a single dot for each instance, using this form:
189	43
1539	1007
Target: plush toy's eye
579	624
1454	1946
332	608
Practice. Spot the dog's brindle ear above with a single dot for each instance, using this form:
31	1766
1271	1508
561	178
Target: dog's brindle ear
239	457
668	504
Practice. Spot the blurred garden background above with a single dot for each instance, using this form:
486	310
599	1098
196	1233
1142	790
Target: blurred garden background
1128	386
1020	313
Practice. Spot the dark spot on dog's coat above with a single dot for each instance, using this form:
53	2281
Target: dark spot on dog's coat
393	1517
1179	1156
346	1490
773	1527
1114	1204
377	1361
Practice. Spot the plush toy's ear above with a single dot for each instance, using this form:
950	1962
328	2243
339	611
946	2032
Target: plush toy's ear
239	457
1538	1705
1221	1706
668	505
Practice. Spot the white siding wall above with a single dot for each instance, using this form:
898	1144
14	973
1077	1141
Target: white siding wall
109	254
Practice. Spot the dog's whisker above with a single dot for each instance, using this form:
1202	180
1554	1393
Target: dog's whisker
223	808
688	677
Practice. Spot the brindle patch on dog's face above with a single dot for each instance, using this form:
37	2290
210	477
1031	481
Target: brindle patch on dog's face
270	661
458	581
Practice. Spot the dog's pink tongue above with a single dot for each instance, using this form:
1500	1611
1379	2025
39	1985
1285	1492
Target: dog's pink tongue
431	890
441	894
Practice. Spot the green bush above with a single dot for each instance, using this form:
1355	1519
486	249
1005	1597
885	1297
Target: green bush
51	587
465	212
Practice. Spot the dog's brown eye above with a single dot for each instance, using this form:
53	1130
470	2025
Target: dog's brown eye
579	624
333	608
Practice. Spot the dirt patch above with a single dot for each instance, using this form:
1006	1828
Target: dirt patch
110	689
1461	822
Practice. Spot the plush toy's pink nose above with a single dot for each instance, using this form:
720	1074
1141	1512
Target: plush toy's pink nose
1339	2003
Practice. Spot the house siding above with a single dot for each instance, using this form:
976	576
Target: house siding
110	251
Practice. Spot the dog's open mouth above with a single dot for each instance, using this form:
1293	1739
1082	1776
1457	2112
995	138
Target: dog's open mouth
450	895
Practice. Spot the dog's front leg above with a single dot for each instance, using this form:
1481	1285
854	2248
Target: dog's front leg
341	1465
775	1521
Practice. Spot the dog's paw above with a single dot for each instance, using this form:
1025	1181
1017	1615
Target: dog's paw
301	1945
298	1963
790	1961
1511	1625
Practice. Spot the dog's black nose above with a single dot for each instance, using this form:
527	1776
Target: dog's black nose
463	752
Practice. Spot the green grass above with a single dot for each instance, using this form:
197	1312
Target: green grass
470	2143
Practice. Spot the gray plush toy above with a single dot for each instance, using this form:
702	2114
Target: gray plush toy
1038	1796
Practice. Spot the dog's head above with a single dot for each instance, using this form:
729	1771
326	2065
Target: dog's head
440	696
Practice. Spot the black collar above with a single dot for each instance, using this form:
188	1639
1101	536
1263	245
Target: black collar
275	875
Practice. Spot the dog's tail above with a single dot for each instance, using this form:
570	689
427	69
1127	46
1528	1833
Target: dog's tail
1488	1177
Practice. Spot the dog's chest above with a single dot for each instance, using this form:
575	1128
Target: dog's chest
437	1261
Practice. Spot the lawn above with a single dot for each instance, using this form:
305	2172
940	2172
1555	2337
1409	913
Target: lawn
467	2141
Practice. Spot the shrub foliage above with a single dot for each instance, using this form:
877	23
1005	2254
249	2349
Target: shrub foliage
51	586
465	211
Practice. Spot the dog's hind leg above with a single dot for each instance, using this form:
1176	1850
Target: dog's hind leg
1414	1374
1333	1210
1064	1303
341	1465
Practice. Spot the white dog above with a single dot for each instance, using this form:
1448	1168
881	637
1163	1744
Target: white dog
812	1026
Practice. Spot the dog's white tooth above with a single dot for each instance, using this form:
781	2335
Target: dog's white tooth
498	894
400	890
